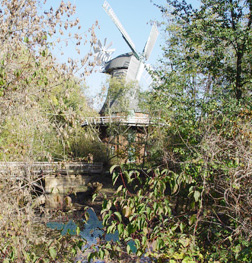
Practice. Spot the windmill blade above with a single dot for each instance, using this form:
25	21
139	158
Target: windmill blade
151	41
105	41
125	35
140	71
111	50
109	45
99	43
146	79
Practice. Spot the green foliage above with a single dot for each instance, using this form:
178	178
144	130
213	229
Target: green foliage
41	101
142	213
50	129
210	47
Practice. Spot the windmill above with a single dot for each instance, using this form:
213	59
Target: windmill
130	65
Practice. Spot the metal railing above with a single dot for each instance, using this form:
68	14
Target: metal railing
125	120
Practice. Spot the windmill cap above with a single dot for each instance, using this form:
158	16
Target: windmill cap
119	62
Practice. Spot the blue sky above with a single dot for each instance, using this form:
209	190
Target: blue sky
135	16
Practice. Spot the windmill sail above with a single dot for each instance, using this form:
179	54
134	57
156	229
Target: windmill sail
125	35
151	41
136	66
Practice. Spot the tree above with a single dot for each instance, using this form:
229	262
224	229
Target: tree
212	44
41	100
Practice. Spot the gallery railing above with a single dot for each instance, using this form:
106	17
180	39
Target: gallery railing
123	120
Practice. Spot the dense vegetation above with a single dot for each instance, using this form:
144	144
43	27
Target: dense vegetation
41	109
41	101
194	203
